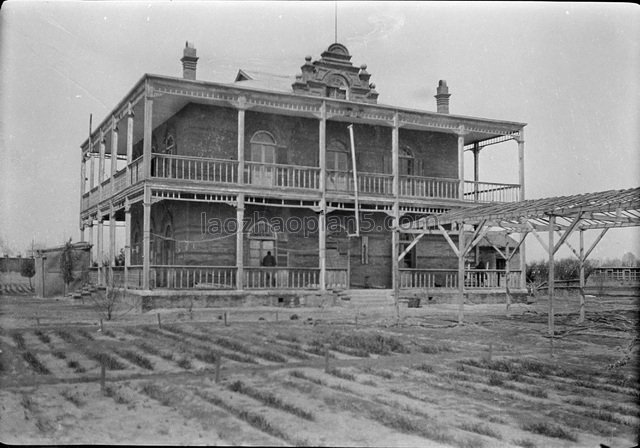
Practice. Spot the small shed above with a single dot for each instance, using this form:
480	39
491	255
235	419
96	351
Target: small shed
48	279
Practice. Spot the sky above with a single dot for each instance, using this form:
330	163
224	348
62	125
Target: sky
571	71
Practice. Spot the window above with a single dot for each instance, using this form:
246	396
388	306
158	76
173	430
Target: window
337	87
407	162
263	148
170	144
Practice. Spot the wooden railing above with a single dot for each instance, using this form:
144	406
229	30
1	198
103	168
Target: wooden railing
336	279
194	168
282	176
429	187
136	173
281	278
188	277
134	277
120	181
491	192
490	278
368	183
428	278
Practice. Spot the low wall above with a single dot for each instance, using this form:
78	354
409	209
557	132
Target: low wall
143	301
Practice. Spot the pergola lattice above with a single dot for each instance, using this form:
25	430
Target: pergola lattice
558	216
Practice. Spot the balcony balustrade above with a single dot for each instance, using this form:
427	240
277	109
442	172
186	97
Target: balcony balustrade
188	277
491	192
270	175
278	176
281	278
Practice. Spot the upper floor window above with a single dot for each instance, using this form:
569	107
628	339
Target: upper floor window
407	162
170	144
263	147
337	88
337	156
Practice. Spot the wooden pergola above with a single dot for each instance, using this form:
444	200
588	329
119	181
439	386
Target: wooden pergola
558	216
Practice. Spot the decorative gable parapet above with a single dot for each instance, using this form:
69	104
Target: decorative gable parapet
334	76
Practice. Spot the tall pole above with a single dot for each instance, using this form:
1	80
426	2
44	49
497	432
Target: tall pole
322	217
240	242
127	241
395	236
461	134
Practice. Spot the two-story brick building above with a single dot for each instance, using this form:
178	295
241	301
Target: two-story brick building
210	177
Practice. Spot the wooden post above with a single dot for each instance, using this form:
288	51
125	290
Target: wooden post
159	322
395	238
99	251
240	241
92	169
322	217
129	141
523	258
112	242
241	130
101	326
114	149
476	171
461	269
101	147
551	280
461	134
91	250
582	261
226	317
507	269
147	131
146	238
127	241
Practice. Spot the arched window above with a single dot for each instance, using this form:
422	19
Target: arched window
407	162
170	142
337	88
263	147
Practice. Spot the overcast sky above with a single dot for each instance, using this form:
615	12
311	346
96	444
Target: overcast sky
570	71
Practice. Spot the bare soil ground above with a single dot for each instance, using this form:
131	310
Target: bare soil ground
301	376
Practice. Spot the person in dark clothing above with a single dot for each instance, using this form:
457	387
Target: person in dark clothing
269	261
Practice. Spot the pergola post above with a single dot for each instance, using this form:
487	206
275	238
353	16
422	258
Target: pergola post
461	135
582	260
551	278
99	250
91	251
461	255
507	269
112	243
523	257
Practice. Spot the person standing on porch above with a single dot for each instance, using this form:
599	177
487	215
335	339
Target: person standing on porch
269	261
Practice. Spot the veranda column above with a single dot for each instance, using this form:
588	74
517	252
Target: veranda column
395	237
92	172
476	170
240	242
83	180
146	151
99	251
101	164
146	238
112	243
241	113
461	134
114	149
91	251
523	258
322	217
127	241
129	140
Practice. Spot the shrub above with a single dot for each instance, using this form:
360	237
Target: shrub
28	269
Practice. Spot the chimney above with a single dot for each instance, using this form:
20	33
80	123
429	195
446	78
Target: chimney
189	61
442	97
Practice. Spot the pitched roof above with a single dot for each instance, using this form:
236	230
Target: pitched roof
265	81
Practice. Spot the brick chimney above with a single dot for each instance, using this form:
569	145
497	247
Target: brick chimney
442	97
189	61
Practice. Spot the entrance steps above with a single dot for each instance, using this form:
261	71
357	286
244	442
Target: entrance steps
365	297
